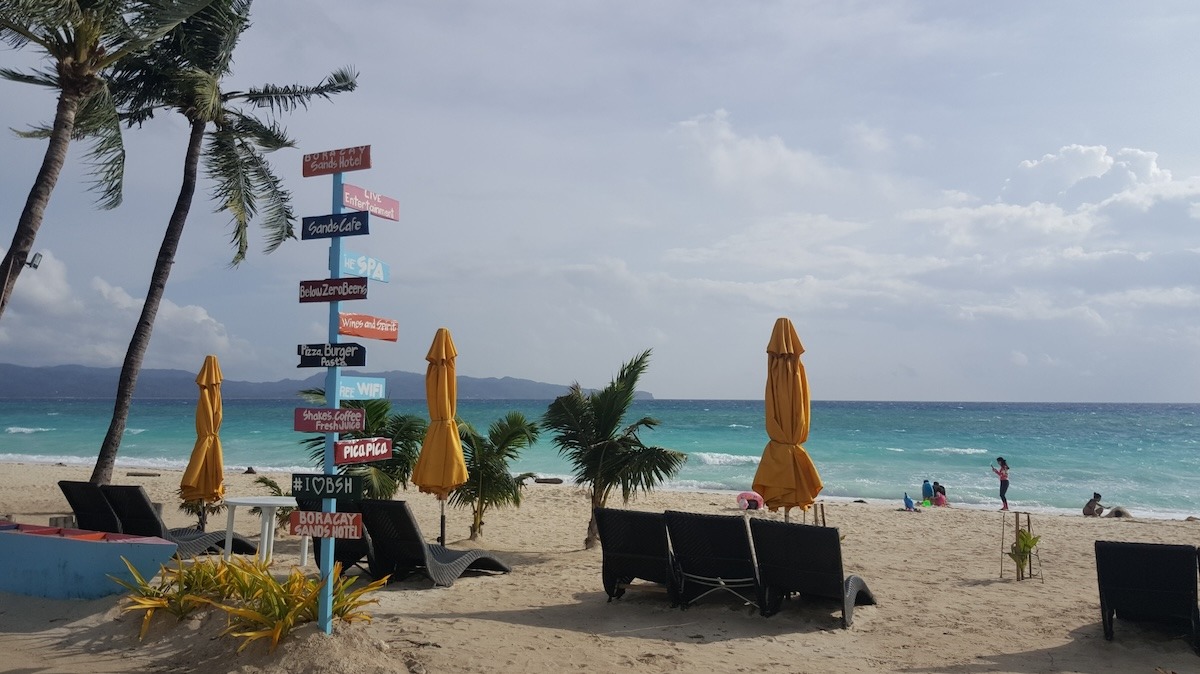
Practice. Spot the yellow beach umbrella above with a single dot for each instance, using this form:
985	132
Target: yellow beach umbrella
204	478
441	467
786	477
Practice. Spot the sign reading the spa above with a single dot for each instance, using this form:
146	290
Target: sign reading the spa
357	264
333	290
343	354
337	161
328	420
315	485
361	450
325	525
371	327
365	200
355	223
362	388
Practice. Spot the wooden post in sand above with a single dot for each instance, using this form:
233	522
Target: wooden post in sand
1022	573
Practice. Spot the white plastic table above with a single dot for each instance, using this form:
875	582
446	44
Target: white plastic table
266	542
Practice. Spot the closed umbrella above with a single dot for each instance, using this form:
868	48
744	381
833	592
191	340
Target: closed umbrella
786	477
204	478
441	467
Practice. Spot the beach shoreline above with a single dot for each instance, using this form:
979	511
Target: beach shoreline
943	605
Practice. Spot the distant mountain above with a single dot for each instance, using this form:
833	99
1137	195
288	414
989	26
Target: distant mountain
77	381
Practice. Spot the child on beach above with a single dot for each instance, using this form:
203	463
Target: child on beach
939	494
1002	473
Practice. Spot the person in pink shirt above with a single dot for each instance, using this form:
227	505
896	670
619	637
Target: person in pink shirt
1002	473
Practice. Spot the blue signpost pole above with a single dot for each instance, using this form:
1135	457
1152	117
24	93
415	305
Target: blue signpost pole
334	399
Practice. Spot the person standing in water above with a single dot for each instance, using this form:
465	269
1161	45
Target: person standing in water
1002	473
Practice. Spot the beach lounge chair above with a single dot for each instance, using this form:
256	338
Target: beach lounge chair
401	550
92	510
712	553
804	559
138	517
634	545
349	551
1148	581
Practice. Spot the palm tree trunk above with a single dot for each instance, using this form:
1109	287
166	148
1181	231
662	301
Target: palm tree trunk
593	534
136	352
39	194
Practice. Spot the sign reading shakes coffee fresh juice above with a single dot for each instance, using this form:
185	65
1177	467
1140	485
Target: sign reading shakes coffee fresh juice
329	420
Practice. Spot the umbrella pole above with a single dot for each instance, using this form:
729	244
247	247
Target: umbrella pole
442	538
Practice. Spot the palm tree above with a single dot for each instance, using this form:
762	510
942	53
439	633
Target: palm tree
491	483
183	72
381	479
588	430
81	39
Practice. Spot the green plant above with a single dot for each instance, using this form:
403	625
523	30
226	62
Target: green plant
200	509
491	483
178	591
1021	548
281	514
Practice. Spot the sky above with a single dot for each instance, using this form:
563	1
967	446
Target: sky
951	201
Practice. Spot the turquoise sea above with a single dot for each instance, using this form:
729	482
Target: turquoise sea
1145	457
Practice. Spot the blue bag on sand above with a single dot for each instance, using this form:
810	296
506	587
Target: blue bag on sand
908	503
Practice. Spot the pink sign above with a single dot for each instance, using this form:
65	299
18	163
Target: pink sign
371	327
365	200
327	420
337	161
361	450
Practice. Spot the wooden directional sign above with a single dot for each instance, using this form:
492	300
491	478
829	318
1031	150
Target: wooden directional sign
337	161
336	224
366	200
325	525
357	264
327	420
333	290
315	485
344	354
371	327
361	450
362	388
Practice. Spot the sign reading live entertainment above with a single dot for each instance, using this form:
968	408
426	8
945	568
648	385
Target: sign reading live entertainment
371	327
365	200
325	525
333	290
335	224
328	420
357	264
361	450
347	354
337	161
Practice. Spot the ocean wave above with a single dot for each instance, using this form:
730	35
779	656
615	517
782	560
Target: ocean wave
955	450
717	459
894	449
737	426
25	430
134	431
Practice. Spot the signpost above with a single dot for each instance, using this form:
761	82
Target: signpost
337	224
371	327
345	354
362	450
333	290
362	388
325	525
329	420
366	200
313	485
337	161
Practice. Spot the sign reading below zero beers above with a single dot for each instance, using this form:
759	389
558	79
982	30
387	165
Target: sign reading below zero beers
328	420
325	525
344	354
357	264
371	327
361	450
362	388
337	161
355	223
316	485
365	200
333	290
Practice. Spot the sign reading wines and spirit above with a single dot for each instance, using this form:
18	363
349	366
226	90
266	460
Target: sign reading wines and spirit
344	354
325	525
316	485
357	264
366	200
333	290
355	223
371	327
361	450
362	388
328	420
337	161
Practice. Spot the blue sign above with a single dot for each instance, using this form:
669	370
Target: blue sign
357	264
362	388
337	224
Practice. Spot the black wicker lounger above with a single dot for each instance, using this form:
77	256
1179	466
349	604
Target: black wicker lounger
138	516
1148	581
634	546
349	551
804	559
401	550
712	553
92	510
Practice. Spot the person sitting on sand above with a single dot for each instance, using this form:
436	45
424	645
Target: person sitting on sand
1094	509
939	495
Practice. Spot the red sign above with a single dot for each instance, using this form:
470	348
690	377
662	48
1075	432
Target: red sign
337	161
361	450
371	327
328	420
366	200
333	290
325	525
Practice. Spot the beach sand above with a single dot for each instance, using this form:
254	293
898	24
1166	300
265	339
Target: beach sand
942	603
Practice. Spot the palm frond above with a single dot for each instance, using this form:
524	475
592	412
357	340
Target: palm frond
295	96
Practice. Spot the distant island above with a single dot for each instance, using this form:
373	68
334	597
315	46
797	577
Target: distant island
77	381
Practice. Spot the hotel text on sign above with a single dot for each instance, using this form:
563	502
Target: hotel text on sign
337	161
325	525
333	290
371	327
361	450
365	200
328	420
